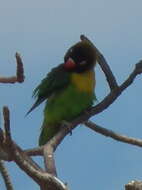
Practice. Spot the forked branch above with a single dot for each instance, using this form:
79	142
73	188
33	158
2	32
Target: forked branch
19	73
32	169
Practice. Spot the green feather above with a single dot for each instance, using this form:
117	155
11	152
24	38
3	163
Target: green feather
55	80
65	105
65	99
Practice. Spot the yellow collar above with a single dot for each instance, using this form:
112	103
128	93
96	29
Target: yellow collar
85	81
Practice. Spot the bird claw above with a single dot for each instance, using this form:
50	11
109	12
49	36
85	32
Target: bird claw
68	125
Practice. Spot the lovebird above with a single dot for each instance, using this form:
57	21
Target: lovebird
68	89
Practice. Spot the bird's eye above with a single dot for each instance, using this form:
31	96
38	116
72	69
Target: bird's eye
82	63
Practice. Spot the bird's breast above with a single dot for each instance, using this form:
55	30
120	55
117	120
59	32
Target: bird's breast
84	82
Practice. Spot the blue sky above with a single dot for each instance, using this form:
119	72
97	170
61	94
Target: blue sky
42	31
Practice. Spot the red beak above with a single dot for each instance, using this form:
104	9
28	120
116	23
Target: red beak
70	64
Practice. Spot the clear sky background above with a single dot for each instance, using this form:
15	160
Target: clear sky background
42	31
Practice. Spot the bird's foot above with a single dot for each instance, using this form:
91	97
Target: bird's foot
68	125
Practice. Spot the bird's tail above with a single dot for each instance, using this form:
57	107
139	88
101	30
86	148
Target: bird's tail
39	101
47	132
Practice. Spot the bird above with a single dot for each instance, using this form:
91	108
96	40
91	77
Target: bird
68	89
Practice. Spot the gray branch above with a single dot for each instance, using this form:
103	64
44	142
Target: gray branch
113	135
104	66
134	185
45	180
5	176
19	73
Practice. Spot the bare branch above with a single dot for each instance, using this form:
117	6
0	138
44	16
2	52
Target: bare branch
38	151
19	73
20	69
113	135
132	76
5	176
8	140
6	116
8	79
134	185
4	155
49	159
51	146
13	150
63	132
48	149
45	180
42	178
104	66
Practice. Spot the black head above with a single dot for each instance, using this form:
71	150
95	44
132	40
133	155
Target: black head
80	57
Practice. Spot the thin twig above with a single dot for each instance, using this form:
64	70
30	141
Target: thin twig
8	140
11	144
5	176
49	159
6	116
37	151
14	150
113	135
20	68
19	73
8	79
54	142
104	66
43	179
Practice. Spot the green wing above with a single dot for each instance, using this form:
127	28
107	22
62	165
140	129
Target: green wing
56	80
